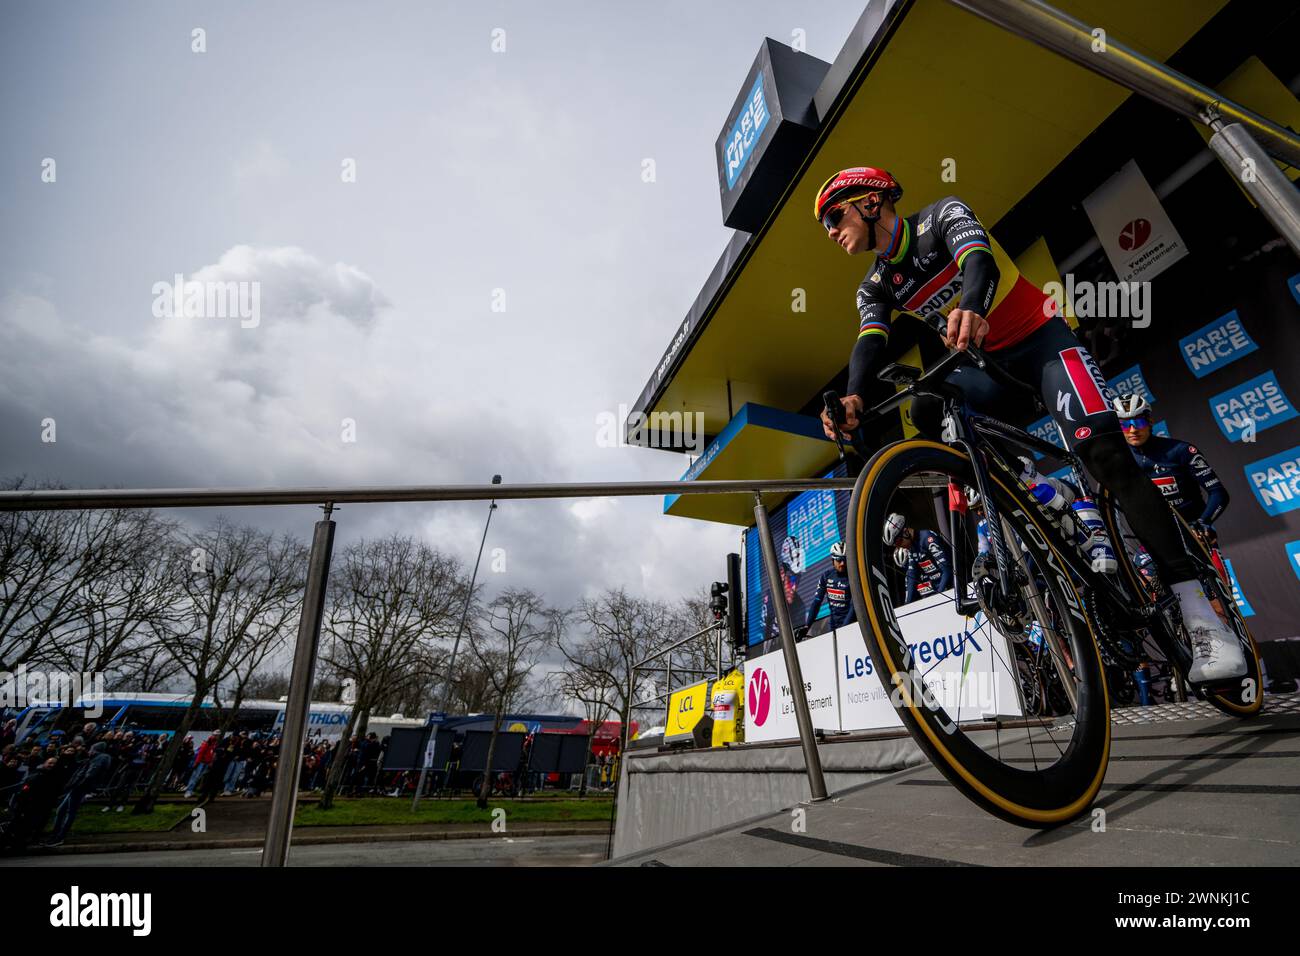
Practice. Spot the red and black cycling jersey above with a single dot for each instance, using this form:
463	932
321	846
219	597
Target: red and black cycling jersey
1181	473
942	256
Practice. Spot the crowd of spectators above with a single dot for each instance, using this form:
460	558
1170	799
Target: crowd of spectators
53	779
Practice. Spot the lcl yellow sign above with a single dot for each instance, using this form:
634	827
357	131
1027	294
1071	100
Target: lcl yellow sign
685	708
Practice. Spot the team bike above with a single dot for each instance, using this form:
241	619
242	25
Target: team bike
1028	741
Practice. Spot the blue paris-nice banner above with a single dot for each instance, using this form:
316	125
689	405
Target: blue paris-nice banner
1237	595
746	131
1275	481
1293	556
1132	382
1251	407
1215	345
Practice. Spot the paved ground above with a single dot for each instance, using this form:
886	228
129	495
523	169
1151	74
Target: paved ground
500	851
1186	787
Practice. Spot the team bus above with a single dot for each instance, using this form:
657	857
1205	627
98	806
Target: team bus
162	713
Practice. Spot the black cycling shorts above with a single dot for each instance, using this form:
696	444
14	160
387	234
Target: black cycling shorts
1051	360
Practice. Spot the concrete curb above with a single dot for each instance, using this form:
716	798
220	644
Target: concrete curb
307	837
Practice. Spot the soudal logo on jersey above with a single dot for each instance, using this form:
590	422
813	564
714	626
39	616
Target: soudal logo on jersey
1167	484
1251	407
1276	481
1131	382
1215	345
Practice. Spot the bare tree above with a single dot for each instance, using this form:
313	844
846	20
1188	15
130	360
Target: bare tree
633	628
53	569
122	609
239	585
390	601
590	679
507	645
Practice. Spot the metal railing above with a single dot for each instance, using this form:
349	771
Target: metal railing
1242	139
279	829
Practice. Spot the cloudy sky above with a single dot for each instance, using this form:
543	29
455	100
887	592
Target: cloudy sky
482	179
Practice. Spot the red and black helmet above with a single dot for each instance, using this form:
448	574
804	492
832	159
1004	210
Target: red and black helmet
850	185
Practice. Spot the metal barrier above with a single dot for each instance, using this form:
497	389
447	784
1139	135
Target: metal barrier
280	827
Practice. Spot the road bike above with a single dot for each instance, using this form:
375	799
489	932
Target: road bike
1030	747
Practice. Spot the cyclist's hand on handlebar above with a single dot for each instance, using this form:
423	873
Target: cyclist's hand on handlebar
965	328
852	409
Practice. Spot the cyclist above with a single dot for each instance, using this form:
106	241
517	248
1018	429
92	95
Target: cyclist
1178	469
833	587
940	263
769	621
926	557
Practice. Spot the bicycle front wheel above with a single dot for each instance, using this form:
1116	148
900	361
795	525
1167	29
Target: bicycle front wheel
1036	769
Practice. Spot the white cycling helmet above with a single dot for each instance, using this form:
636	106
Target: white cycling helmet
1131	406
972	497
893	524
901	557
837	551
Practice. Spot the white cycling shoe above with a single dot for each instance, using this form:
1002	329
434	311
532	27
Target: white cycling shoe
1216	655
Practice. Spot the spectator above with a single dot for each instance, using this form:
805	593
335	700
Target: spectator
202	762
90	776
131	757
34	800
184	760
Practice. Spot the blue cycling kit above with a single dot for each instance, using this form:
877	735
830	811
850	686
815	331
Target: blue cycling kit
1182	474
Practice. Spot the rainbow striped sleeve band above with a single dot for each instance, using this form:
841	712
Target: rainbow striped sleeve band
874	328
965	249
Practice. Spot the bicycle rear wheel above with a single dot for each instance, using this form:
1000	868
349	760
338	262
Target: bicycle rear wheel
1036	770
1240	697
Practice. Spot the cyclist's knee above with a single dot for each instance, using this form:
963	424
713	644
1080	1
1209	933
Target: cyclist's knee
927	415
1108	457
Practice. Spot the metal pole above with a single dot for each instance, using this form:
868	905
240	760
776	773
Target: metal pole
1275	195
284	796
794	674
455	647
108	498
1102	54
717	674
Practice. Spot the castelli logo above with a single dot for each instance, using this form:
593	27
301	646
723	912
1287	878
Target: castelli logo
898	277
1134	235
1082	433
760	696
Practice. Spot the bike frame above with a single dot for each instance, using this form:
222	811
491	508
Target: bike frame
970	432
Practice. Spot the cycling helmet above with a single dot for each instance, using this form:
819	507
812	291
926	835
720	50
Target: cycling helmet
973	497
1131	406
893	525
837	551
901	557
850	185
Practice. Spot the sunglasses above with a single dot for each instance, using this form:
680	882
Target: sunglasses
833	217
1134	424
